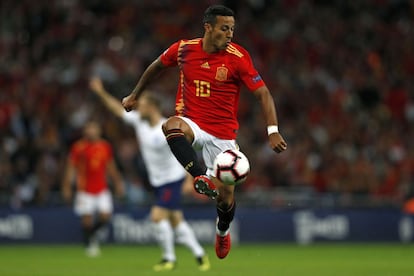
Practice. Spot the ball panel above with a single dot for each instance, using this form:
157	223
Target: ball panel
231	167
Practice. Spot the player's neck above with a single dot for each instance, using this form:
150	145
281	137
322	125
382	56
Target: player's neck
208	47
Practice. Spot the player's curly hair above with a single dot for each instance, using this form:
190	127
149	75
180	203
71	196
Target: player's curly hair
211	13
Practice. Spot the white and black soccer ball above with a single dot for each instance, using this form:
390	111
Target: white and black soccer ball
231	167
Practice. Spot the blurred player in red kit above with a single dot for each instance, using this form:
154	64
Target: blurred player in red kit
90	160
212	71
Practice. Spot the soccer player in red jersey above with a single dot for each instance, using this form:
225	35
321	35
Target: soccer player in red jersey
90	160
212	71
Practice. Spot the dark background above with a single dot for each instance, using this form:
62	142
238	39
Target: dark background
341	73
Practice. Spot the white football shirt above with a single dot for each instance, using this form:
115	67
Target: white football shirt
162	166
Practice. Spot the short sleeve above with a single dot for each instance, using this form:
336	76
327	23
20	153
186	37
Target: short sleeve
131	118
169	57
248	73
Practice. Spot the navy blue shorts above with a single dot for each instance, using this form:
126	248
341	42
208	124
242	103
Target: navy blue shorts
169	195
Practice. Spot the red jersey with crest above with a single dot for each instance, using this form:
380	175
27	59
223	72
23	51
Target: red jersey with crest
209	84
91	159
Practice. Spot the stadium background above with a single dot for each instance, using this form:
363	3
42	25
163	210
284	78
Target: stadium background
341	73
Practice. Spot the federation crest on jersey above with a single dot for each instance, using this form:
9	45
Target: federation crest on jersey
221	73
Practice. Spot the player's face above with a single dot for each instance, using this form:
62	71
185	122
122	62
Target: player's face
222	32
92	131
144	108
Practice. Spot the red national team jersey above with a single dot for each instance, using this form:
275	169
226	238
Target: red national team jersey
209	85
91	159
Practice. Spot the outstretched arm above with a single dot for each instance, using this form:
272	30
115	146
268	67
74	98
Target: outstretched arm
276	141
152	71
115	106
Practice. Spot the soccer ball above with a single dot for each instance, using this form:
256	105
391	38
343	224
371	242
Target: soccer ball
231	167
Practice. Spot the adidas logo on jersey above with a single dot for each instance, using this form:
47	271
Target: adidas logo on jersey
205	65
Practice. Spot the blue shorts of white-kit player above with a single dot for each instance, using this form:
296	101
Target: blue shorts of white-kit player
168	196
209	145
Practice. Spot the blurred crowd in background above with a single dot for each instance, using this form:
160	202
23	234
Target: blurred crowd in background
341	72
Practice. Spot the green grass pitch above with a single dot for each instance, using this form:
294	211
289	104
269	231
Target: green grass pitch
245	259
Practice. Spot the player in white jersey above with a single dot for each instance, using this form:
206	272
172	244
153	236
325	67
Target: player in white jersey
162	166
166	175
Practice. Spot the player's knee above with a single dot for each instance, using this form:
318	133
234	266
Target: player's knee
104	218
87	221
155	218
175	123
171	123
158	214
176	218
